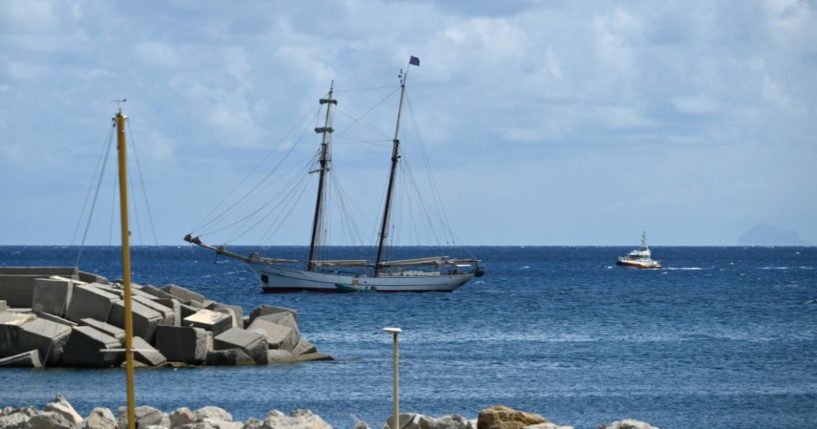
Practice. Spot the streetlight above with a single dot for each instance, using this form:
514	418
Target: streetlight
396	395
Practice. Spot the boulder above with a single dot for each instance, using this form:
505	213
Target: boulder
84	348
253	343
60	406
280	356
46	336
145	416
419	421
502	417
271	309
182	344
228	357
107	328
88	301
210	320
145	319
253	423
14	420
48	420
146	354
212	413
548	425
182	294
299	419
627	424
29	359
100	418
181	417
51	295
278	336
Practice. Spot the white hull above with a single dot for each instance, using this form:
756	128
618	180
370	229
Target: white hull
279	279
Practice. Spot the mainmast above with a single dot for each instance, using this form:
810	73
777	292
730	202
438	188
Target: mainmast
395	156
326	131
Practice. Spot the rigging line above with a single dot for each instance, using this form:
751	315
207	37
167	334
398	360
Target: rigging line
264	179
135	210
246	218
342	198
93	202
365	89
358	119
141	180
369	111
423	204
292	207
278	221
113	210
102	154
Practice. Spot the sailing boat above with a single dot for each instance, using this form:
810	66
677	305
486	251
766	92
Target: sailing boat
435	273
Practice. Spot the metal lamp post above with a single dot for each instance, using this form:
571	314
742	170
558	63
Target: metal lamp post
396	380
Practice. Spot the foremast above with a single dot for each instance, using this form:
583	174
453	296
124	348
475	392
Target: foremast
317	222
395	157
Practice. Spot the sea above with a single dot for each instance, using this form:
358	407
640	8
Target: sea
723	337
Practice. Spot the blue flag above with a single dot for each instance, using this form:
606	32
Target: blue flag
414	61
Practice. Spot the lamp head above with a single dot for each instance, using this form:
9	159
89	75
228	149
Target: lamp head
393	330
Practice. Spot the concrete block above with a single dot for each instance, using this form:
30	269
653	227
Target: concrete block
45	336
29	359
2	305
304	347
17	290
88	301
10	323
253	343
235	311
280	356
168	316
278	336
106	328
182	344
56	319
51	296
156	292
313	357
210	320
145	319
271	309
146	354
187	310
84	345
183	294
228	357
176	306
91	278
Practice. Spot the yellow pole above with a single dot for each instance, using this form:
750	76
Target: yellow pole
395	380
123	209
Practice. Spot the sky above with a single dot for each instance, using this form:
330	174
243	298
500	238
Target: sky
546	122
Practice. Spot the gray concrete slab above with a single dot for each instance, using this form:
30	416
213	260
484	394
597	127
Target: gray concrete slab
253	343
17	290
210	320
51	296
183	294
304	347
2	305
84	345
10	323
45	336
29	359
89	301
313	357
176	306
235	311
284	319
91	278
272	309
278	336
106	328
168	315
280	356
145	319
182	344
156	292
146	354
228	357
56	319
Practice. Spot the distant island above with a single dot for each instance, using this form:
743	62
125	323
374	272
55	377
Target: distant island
769	235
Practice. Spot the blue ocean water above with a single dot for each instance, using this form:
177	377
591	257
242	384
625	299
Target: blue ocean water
724	337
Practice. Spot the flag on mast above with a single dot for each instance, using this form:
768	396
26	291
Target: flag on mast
414	61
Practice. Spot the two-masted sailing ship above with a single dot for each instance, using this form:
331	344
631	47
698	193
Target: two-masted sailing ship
433	273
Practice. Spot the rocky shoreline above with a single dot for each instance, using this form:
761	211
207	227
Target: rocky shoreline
67	318
59	414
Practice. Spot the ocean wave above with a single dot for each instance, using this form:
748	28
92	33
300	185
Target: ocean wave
683	268
774	268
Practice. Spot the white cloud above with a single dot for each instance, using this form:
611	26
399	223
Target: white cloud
616	36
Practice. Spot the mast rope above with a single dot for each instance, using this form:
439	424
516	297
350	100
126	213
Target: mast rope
104	162
132	141
359	118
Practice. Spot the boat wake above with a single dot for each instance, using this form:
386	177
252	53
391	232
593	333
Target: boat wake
683	268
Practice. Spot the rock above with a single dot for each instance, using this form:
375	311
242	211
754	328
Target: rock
278	336
502	417
29	359
228	357
299	419
419	421
280	356
184	295
146	354
253	423
303	347
145	416
88	301
100	418
60	406
182	344
271	309
627	424
14	420
48	420
84	348
107	328
145	319
181	416
548	425
361	425
210	320
252	343
47	337
213	413
51	296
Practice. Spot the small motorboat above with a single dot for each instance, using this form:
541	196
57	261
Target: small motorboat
639	258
